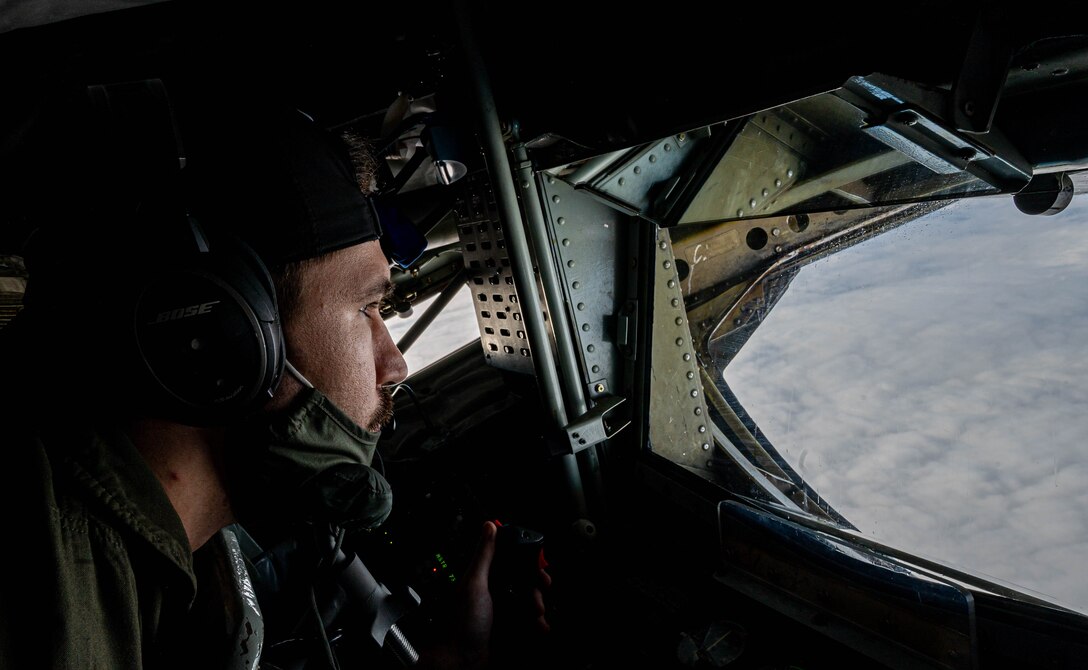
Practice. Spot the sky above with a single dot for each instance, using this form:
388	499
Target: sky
932	385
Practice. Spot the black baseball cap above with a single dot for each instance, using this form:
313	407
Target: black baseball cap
283	184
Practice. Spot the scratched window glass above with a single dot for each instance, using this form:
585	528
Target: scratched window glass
454	327
931	384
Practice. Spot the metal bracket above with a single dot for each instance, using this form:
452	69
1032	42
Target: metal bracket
982	76
591	428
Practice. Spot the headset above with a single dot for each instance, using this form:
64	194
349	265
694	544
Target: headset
201	314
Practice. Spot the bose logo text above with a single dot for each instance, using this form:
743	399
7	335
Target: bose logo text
184	312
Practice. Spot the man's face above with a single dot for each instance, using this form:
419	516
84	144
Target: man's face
337	338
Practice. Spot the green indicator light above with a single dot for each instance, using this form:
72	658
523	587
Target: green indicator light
453	578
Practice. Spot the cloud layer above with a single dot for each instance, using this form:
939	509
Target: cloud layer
932	385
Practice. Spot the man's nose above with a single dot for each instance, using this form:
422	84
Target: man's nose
390	363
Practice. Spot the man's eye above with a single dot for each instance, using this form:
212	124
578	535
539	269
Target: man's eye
370	308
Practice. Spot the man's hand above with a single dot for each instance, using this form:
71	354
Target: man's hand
469	642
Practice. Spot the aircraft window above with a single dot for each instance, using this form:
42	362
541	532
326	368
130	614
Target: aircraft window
454	327
929	379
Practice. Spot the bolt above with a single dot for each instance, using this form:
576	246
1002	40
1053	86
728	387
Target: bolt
752	203
681	137
694	393
740	212
600	388
764	193
778	249
789	173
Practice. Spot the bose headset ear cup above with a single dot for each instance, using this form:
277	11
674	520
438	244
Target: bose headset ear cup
208	334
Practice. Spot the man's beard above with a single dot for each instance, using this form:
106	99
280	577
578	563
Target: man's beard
383	415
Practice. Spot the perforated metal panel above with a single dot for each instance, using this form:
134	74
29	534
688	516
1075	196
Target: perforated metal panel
495	295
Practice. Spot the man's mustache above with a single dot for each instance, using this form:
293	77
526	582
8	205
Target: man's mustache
383	415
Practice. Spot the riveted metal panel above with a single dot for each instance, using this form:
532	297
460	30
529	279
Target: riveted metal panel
586	237
679	422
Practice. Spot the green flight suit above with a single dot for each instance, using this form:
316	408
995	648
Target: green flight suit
97	570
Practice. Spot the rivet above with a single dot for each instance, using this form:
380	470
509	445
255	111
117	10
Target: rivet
551	180
740	212
691	375
737	321
764	193
698	411
752	203
596	369
637	170
679	321
675	302
706	447
561	220
672	283
687	357
581	305
591	348
585	327
566	242
653	158
774	231
667	147
570	264
621	181
789	173
555	199
662	245
702	429
777	182
694	393
576	285
525	184
667	264
679	341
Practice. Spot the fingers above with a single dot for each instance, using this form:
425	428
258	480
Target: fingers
481	560
541	619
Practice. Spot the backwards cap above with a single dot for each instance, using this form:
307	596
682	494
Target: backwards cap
285	186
